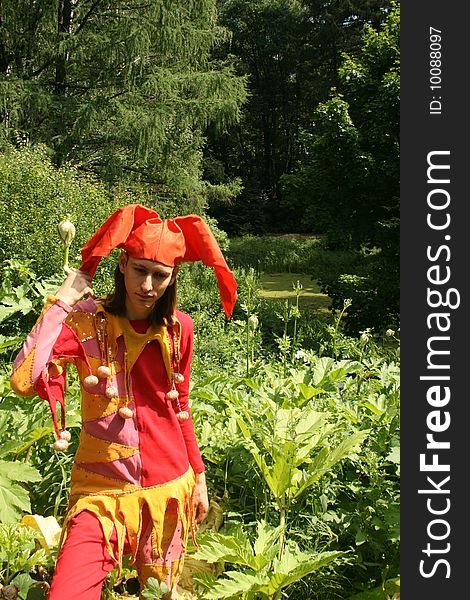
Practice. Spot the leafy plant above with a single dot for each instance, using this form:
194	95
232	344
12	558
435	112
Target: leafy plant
14	498
154	589
19	555
263	571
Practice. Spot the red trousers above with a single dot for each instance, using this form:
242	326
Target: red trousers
84	562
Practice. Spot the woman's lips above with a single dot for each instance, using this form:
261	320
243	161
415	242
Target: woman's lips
144	297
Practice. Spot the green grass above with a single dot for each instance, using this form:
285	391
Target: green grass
280	286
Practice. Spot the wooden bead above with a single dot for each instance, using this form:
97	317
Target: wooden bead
125	412
60	445
178	377
111	392
90	381
103	372
172	395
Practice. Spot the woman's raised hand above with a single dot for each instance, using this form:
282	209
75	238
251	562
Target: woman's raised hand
76	285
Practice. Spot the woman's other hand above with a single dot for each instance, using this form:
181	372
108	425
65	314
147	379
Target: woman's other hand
200	498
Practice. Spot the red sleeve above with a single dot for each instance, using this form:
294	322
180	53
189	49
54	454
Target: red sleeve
187	427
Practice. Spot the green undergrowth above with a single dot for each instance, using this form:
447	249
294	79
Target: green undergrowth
298	424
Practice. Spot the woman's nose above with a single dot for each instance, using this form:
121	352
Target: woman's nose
147	284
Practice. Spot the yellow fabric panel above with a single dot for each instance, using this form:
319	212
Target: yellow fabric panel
123	510
95	450
136	342
83	324
88	482
95	406
21	379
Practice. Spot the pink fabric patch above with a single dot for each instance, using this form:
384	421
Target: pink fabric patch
173	531
123	469
46	332
114	428
92	348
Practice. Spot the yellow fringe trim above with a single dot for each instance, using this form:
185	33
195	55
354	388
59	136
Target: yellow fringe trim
122	511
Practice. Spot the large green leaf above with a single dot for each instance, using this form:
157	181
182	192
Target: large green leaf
328	372
14	302
327	458
294	566
265	543
235	584
18	471
14	499
236	549
19	446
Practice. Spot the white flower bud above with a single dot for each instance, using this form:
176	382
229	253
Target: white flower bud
66	231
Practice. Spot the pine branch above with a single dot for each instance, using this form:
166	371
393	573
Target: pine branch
87	16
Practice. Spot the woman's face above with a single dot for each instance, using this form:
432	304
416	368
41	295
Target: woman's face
146	282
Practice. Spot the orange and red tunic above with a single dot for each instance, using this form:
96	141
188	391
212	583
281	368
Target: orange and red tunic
122	465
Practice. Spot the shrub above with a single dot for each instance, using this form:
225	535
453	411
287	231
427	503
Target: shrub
35	196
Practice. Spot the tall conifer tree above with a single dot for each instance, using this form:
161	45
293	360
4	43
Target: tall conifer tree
122	86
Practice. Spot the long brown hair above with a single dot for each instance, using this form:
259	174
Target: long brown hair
163	312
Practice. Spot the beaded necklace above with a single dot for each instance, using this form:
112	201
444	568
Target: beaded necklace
105	371
175	376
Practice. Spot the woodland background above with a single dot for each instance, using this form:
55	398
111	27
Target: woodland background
278	121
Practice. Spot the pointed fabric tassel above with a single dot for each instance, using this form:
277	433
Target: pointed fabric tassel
53	392
202	245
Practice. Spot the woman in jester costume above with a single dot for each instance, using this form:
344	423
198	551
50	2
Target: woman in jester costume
137	484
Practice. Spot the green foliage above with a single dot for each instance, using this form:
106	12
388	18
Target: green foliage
273	254
35	197
262	573
286	448
124	88
291	51
154	589
19	555
13	497
349	186
369	279
22	296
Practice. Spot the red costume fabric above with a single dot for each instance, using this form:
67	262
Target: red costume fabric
128	472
